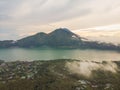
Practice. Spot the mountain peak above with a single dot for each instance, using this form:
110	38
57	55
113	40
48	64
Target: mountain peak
63	29
41	34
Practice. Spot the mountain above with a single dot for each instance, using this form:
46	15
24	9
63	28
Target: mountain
38	39
61	37
6	43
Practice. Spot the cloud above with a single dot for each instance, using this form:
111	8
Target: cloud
76	14
86	68
48	11
108	33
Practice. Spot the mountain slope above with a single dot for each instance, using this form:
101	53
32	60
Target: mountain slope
38	39
61	37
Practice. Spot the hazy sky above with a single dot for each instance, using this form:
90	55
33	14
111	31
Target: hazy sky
20	18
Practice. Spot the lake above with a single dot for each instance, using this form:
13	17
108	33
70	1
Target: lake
29	54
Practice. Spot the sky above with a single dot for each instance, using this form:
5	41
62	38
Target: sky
89	18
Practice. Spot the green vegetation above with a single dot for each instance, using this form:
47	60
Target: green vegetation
54	75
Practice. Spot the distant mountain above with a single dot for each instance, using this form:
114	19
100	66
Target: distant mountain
38	39
61	37
6	43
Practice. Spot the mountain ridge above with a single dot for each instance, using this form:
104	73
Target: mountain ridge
61	37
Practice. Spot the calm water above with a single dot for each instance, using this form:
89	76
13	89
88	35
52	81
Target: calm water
50	54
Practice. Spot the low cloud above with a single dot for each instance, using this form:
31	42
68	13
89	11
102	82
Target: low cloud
85	68
100	34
